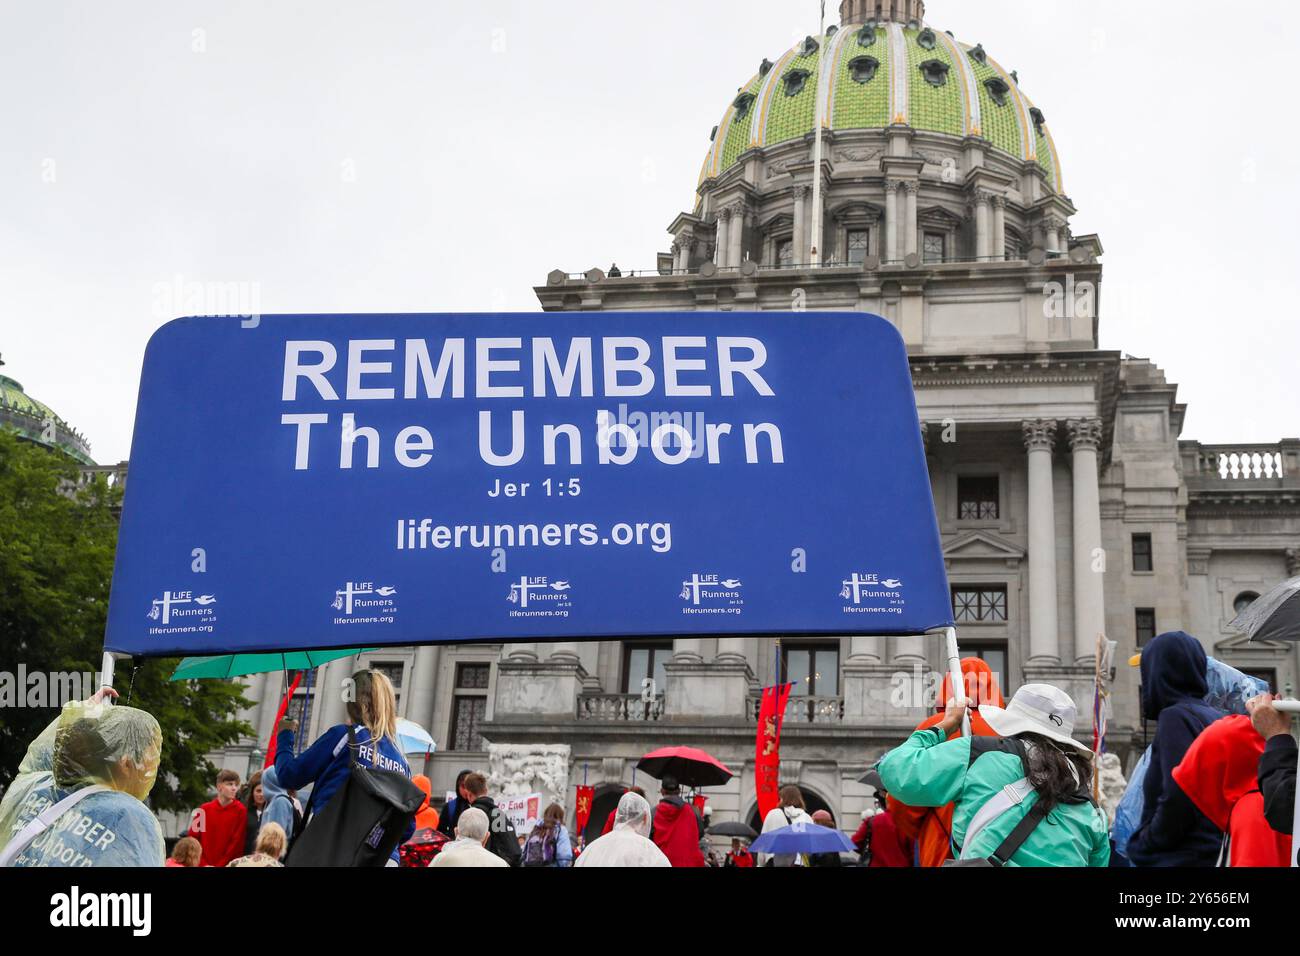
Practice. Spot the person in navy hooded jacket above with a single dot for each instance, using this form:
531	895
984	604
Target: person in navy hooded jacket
1172	831
325	765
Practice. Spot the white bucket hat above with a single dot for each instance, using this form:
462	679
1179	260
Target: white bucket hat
1036	709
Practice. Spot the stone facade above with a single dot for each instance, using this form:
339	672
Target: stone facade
1068	505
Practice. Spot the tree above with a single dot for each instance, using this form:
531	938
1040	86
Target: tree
57	542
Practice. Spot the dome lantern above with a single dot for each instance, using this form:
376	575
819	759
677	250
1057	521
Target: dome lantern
898	11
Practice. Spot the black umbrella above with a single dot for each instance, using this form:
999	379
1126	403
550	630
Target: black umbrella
872	779
1273	617
733	829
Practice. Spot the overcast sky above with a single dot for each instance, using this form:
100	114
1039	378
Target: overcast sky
423	155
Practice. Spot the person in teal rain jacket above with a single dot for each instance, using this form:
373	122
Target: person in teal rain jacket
1035	756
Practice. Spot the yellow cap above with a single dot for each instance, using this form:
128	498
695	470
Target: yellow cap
1135	660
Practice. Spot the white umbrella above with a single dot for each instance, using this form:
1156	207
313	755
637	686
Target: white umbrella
414	739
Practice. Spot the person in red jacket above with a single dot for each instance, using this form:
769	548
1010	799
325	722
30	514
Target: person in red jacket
1218	776
931	827
678	829
219	824
881	837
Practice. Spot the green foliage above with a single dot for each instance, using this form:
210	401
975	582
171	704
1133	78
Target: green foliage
57	544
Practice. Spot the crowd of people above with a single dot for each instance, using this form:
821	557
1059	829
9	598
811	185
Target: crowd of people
982	782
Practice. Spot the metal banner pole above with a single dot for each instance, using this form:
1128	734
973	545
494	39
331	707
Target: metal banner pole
954	672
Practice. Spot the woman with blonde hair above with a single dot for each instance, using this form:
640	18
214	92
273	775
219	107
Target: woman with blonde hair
326	765
271	844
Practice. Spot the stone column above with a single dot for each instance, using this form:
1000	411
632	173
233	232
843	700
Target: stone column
1044	644
736	241
909	220
1052	233
1293	562
731	650
983	231
328	695
891	221
566	652
419	695
688	650
724	233
677	255
800	237
1089	595
522	652
999	228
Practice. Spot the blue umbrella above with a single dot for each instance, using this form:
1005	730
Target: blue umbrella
803	838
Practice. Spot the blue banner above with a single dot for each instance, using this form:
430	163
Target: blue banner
375	480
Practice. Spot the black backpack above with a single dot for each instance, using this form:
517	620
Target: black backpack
363	822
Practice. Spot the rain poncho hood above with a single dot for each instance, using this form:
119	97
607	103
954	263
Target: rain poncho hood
628	843
981	685
279	806
1220	775
426	817
89	745
1173	669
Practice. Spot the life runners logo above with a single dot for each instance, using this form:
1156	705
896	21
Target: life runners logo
540	597
365	602
866	593
712	594
182	611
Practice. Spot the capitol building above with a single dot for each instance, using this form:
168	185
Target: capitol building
1068	504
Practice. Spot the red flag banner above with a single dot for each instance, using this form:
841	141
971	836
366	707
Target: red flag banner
699	800
279	716
582	808
767	758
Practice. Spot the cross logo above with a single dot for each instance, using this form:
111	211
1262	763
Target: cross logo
519	592
854	587
343	598
691	588
163	607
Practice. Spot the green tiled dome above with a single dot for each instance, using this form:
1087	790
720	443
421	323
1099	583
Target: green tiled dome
21	413
875	76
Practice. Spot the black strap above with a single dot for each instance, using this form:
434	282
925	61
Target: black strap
1017	837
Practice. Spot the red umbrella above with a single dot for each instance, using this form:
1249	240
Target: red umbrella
691	767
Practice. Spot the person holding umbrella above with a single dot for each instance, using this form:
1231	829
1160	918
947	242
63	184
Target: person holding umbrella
790	812
678	828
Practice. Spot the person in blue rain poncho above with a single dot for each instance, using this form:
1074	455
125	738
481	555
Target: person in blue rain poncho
101	759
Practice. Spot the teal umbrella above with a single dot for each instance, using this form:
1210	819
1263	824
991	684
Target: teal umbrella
237	665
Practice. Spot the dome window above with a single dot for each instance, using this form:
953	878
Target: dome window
935	72
978	54
864	68
867	35
1036	115
795	81
743	102
998	89
713	135
765	67
831	31
927	39
810	46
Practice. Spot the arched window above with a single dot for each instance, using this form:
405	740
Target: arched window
1244	600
